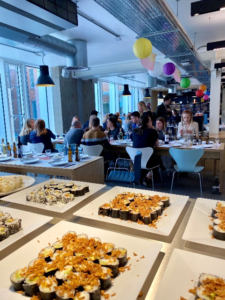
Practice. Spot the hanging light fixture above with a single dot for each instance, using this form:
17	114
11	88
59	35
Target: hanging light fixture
160	96
147	94
44	79
126	91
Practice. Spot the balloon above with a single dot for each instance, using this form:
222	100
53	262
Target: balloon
142	48
176	75
149	62
169	68
158	70
207	92
199	93
185	83
202	87
206	97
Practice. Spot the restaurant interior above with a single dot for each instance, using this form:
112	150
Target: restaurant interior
112	159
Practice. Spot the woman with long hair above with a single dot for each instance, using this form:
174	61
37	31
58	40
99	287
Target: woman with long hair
112	128
42	135
104	123
27	127
142	108
187	125
161	127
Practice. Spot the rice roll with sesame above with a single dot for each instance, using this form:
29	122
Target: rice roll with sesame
4	233
67	197
31	197
50	200
13	225
17	279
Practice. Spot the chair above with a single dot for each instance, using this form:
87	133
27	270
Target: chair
146	154
38	147
186	162
25	139
26	148
124	175
92	150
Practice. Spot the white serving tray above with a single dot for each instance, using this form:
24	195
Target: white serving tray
164	226
184	267
128	282
30	222
197	230
28	181
20	197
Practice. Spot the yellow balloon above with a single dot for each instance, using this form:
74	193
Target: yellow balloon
203	87
142	48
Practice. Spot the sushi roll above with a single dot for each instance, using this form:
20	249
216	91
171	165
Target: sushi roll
220	206
96	241
13	225
121	255
37	261
51	200
158	209
161	204
94	291
154	214
67	197
69	185
124	214
47	186
115	213
17	279
40	197
86	188
59	187
66	190
30	285
3	217
47	253
108	247
57	194
64	292
105	278
62	275
74	190
219	231
53	184
31	197
126	202
4	233
49	192
112	263
82	236
166	201
50	269
58	245
146	219
47	288
82	296
205	276
104	209
80	191
134	215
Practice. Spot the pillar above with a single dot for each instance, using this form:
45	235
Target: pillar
154	100
223	107
214	110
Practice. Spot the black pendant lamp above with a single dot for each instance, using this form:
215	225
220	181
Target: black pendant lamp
44	79
147	94
126	91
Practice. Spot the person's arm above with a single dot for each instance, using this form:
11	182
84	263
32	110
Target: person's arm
52	136
157	143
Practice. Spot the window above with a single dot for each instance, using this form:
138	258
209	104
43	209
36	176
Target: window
108	98
31	78
2	116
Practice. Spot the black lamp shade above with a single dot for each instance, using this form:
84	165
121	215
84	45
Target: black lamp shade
147	94
126	91
44	79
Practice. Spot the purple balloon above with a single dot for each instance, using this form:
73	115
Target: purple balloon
169	68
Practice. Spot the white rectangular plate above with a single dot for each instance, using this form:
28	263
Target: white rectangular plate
197	230
164	226
184	267
30	222
128	282
20	197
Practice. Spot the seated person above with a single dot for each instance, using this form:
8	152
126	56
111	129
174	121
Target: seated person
117	121
104	123
175	116
75	118
161	128
187	125
86	124
135	118
127	123
42	135
112	128
90	124
75	134
26	130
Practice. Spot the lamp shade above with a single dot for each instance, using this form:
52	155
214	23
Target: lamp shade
185	83
203	87
142	48
147	94
126	91
199	93
158	70
169	68
206	97
44	79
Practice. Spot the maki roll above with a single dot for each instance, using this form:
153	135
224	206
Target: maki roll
112	263
220	207
82	236
219	231
105	278
134	215
82	296
67	197
31	197
58	245
96	241
146	219
47	253
108	247
50	269
53	184
4	233
57	194
62	275
166	201
13	225
161	204
115	213
121	255
94	291
104	209
3	217
47	288
47	186
49	192
66	190
30	285
158	209
64	292
37	261
51	200
205	276
74	190
154	214
80	191
40	197
69	185
126	202
124	213
17	279
86	188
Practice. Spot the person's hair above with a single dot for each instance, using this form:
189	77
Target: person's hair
95	122
90	120
135	114
142	103
188	112
105	118
143	124
163	121
128	117
115	117
175	112
113	120
167	98
39	126
117	113
26	129
76	124
148	103
111	115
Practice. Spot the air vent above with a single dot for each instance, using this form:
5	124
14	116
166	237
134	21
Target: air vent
185	63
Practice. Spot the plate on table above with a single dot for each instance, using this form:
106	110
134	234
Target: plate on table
142	252
164	226
27	181
84	156
30	222
201	234
5	158
175	144
182	274
58	163
31	161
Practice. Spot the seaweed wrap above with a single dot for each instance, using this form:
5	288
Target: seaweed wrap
69	185
105	278
30	285
112	263
80	191
121	255
47	288
115	213
108	247
166	201
74	191
134	215
94	291
154	214
86	188
146	219
17	279
47	253
104	209
219	231
124	214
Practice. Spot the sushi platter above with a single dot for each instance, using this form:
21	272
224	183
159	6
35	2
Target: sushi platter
164	226
187	270
23	223
206	233
136	258
50	201
14	183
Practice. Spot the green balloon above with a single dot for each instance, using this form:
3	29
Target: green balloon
185	83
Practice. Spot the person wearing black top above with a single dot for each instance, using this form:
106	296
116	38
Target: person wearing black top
113	129
163	110
86	124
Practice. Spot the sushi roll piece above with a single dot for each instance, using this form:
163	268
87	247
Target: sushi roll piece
219	232
219	207
104	209
217	221
80	191
74	191
82	296
4	233
47	288
166	201
105	278
115	213
13	225
40	197
112	263
161	204
86	188
47	186
67	197
94	291
50	269
66	190
108	247
62	275
49	192
134	216
146	219
126	202
37	261
17	279
64	292
96	241
82	236
51	200
53	184
59	187
30	285
31	197
47	253
57	194
3	217
58	245
69	185
124	214
158	209
121	254
154	214
205	276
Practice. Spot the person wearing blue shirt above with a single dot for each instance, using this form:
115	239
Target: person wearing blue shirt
135	119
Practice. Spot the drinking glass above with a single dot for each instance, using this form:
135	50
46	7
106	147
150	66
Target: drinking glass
111	138
118	137
48	152
217	142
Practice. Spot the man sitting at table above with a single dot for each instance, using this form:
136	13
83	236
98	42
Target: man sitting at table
75	134
135	119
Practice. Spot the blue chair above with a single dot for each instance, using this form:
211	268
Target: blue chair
186	162
25	139
124	175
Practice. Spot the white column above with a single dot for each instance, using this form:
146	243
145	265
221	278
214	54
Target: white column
223	107
214	110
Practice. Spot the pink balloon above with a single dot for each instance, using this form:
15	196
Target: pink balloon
206	97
